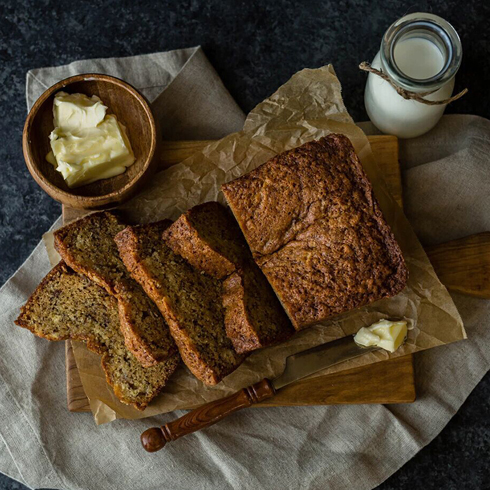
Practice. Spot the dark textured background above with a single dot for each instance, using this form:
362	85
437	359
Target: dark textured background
255	47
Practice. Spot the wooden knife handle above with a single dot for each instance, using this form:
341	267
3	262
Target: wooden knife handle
463	265
155	438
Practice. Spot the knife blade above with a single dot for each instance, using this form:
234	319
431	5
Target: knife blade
311	361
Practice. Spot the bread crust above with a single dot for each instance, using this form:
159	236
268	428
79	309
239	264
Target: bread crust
139	346
254	318
218	259
63	236
238	325
316	230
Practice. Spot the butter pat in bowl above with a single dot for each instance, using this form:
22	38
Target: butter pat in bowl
86	143
90	141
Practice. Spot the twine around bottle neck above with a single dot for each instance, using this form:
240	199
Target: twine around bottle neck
407	94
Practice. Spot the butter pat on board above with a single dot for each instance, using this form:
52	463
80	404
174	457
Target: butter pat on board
87	144
385	334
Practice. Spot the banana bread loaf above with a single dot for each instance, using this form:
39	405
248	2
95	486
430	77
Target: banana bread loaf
87	246
316	230
67	305
210	239
189	300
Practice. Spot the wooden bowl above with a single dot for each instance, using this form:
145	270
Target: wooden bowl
130	108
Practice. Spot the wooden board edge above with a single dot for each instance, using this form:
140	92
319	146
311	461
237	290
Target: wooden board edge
373	384
75	394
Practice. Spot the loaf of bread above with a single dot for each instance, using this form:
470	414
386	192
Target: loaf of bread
189	300
209	238
317	232
87	246
67	305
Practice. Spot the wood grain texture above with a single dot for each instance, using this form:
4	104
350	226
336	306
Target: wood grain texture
130	108
385	150
208	414
353	386
463	265
390	381
76	399
173	152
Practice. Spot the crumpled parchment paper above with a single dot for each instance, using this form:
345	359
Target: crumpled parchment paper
307	107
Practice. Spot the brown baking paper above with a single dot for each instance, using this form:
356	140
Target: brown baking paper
307	107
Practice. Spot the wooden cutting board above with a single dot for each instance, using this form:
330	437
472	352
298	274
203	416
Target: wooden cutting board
390	381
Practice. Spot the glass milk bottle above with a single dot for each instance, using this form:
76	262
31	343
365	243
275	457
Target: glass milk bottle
420	53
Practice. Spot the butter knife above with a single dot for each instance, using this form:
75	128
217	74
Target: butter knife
298	366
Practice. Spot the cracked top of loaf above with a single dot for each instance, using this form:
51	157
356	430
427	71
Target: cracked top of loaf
315	228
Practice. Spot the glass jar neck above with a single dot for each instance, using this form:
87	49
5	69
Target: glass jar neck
423	27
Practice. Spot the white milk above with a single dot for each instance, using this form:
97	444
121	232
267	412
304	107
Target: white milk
392	114
418	58
421	53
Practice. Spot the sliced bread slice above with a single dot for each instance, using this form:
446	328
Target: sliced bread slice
189	300
67	305
210	239
254	317
87	246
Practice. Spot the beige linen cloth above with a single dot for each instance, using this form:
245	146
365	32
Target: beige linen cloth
446	181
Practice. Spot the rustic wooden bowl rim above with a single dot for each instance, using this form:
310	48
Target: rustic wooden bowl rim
54	191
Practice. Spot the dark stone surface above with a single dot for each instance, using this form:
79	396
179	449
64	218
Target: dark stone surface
255	47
